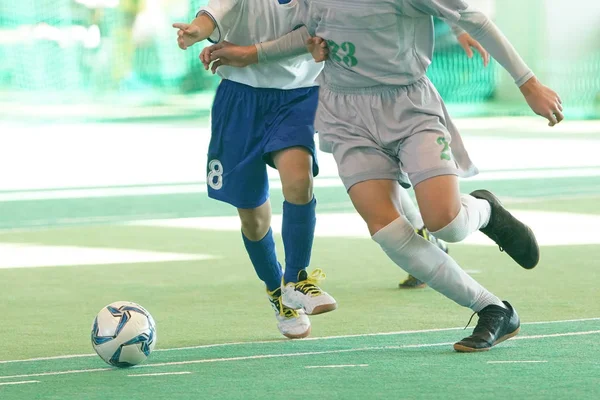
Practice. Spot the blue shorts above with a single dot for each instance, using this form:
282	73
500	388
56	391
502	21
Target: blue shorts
248	125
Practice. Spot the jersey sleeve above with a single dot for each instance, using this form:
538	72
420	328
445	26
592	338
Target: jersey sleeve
457	30
223	14
445	9
482	29
301	12
291	45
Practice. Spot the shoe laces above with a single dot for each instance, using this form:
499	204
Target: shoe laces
505	234
470	319
279	307
487	317
310	286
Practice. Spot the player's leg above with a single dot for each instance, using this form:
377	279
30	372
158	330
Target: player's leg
237	175
295	167
452	217
375	195
260	245
370	174
412	213
375	202
291	149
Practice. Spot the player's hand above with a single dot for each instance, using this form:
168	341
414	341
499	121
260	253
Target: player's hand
543	101
187	35
466	42
226	53
317	47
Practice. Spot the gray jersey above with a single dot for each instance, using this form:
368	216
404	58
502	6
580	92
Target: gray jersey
377	42
390	42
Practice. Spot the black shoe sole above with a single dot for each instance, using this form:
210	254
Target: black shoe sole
464	349
534	249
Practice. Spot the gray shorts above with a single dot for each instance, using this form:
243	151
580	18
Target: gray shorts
400	133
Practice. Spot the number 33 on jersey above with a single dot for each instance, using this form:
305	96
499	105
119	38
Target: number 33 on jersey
343	53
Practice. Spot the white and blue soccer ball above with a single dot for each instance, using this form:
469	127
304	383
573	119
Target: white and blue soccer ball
124	334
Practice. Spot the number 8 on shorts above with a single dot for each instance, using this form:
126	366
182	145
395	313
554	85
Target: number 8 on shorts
215	174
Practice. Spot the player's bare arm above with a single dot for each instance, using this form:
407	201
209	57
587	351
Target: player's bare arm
293	44
226	53
196	31
541	99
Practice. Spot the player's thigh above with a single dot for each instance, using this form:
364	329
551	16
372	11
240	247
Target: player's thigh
256	222
427	159
360	159
377	202
236	172
295	166
371	177
291	141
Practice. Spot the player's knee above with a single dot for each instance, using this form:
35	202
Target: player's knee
377	222
298	188
450	235
452	228
255	227
441	219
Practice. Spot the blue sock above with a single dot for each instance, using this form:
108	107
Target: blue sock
298	232
264	258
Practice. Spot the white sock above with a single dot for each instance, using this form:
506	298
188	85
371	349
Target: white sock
473	215
428	263
411	212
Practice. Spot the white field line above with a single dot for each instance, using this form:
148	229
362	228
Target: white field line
74	371
336	366
208	346
163	374
551	335
286	355
17	383
323	182
518	362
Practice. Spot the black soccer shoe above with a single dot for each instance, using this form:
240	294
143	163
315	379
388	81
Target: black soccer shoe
495	325
510	234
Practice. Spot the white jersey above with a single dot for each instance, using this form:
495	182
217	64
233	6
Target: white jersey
247	22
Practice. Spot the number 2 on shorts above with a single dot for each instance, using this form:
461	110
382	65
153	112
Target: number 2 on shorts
443	142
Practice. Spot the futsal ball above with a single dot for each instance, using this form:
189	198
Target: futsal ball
123	334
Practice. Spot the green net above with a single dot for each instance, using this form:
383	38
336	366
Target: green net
69	51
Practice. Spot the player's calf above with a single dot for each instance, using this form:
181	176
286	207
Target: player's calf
256	222
412	282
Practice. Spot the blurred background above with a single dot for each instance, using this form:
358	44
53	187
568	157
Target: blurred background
107	54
